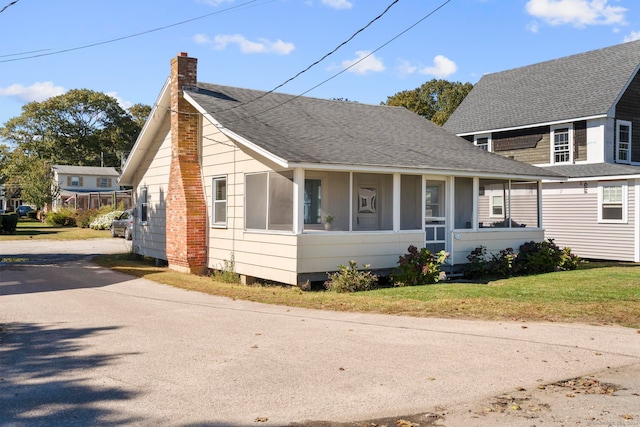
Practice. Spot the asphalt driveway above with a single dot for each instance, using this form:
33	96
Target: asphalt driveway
83	345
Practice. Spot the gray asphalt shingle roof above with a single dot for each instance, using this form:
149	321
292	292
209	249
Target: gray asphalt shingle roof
326	132
594	170
86	170
576	86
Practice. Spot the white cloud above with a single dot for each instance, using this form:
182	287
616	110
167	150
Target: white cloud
634	35
338	4
36	92
442	67
220	42
364	62
578	13
406	68
533	26
122	102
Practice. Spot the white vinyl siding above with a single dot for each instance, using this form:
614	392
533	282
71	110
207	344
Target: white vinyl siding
570	212
154	173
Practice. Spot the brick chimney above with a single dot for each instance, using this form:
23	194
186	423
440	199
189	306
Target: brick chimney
186	204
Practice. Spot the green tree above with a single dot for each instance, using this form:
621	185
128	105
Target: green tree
436	99
81	127
32	175
139	113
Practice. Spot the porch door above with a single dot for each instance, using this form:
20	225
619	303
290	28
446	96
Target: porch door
435	218
367	219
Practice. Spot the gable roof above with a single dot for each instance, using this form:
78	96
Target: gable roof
303	131
578	86
85	170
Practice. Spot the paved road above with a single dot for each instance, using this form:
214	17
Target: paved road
82	345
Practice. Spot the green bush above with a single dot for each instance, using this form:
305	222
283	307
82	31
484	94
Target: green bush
419	267
482	264
544	257
350	279
8	223
533	258
84	217
62	218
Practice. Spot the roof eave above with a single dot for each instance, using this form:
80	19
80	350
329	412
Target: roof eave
535	125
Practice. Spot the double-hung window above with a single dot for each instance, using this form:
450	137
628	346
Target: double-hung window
561	144
623	138
219	208
612	202
143	204
483	142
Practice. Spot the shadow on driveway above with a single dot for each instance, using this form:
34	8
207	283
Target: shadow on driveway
35	360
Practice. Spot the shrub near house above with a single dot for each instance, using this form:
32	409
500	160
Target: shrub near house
8	223
533	258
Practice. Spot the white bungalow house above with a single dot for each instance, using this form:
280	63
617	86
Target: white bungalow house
578	116
88	187
222	172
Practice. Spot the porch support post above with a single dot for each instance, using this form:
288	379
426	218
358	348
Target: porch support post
351	202
298	200
476	193
396	201
539	185
636	210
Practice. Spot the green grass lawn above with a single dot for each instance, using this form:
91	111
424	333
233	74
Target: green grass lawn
596	293
34	229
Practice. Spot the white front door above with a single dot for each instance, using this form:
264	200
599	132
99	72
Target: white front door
435	217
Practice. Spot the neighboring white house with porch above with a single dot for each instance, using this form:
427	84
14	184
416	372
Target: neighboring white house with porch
221	172
88	187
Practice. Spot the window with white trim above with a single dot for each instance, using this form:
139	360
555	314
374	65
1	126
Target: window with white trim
483	141
612	202
143	204
219	208
623	141
269	201
497	205
561	142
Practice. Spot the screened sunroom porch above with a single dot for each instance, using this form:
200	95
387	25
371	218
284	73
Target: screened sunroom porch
455	214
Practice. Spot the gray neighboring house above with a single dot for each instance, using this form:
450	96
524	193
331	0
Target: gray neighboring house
578	116
225	174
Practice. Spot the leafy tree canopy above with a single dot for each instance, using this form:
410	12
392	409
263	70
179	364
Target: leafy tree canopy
81	127
436	99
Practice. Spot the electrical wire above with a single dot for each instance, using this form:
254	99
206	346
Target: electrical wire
9	5
130	36
400	34
325	56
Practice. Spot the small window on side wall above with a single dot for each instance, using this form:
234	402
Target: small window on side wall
623	141
612	202
219	208
143	204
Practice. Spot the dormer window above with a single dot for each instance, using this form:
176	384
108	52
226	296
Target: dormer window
561	144
623	141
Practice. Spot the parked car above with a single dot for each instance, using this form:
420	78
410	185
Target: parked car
23	210
123	225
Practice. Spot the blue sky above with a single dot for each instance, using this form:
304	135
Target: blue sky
259	44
